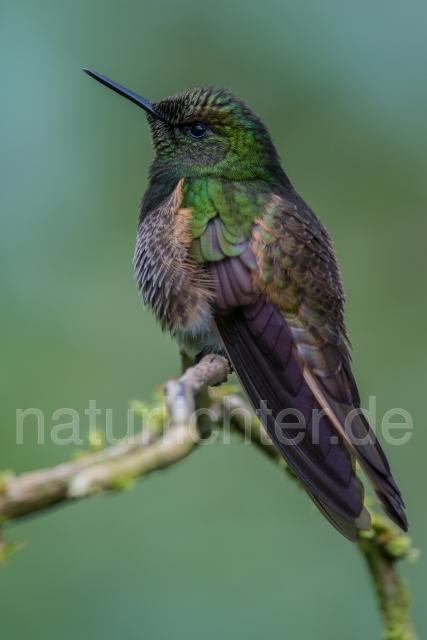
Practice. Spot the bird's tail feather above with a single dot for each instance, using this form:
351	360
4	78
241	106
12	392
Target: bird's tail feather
262	351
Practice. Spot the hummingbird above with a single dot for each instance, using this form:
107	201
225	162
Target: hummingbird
231	260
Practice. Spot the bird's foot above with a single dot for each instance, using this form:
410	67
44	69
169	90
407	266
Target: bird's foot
202	354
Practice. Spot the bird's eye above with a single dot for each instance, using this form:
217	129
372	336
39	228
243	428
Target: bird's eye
198	130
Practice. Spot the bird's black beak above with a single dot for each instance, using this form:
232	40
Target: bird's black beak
133	97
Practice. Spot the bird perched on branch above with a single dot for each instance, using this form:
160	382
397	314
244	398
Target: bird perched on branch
232	260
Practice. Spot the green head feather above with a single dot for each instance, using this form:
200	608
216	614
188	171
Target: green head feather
236	144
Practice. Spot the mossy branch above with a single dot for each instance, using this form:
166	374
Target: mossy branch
382	548
172	437
164	443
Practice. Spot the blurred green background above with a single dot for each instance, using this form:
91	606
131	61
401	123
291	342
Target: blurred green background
221	546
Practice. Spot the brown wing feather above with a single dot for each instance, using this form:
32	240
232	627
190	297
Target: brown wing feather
290	243
281	323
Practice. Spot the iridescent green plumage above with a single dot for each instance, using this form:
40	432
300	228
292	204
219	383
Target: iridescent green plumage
233	207
231	259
